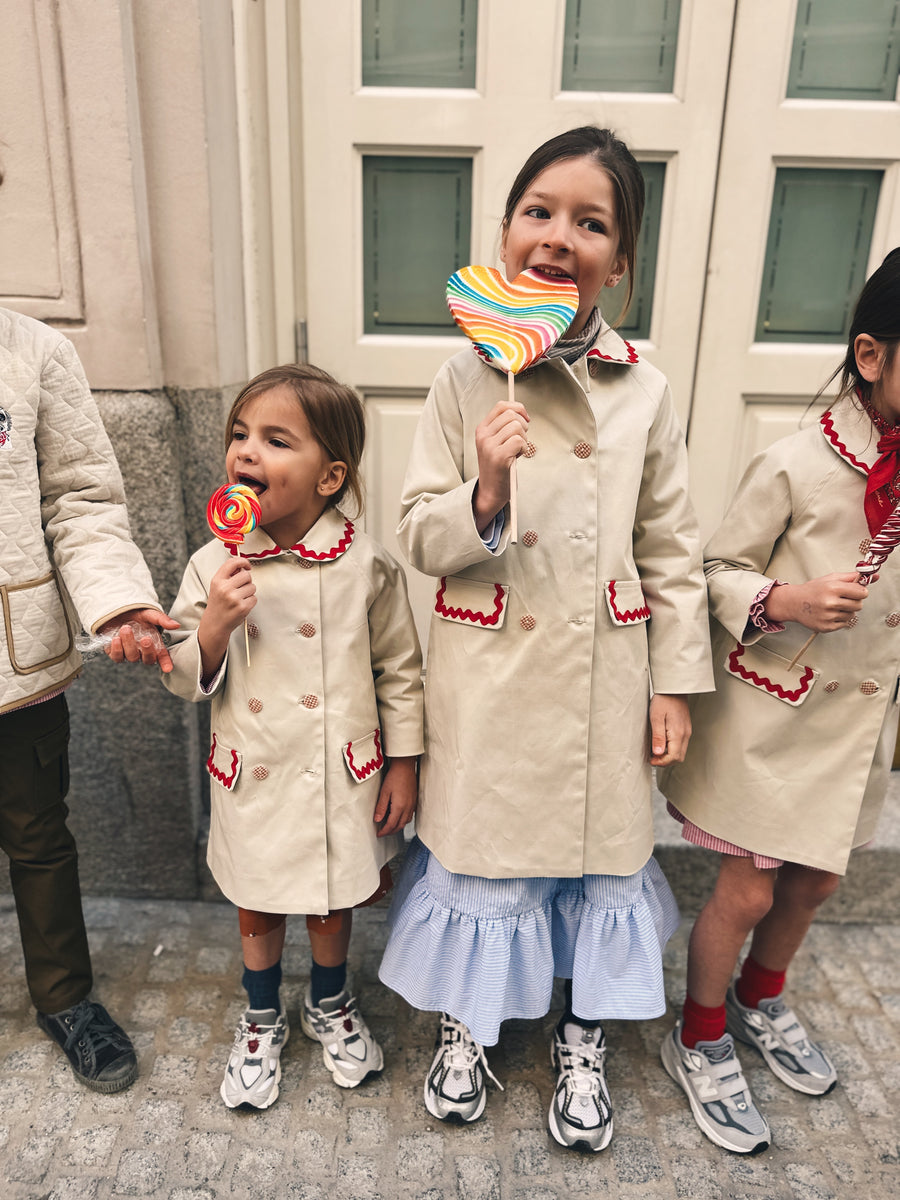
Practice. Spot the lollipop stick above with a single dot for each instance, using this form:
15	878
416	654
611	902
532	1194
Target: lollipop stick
247	641
513	474
809	641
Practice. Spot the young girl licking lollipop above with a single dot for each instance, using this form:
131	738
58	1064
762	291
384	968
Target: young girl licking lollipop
315	736
535	821
789	764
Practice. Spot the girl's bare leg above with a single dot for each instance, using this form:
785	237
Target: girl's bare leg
264	949
330	949
741	898
798	893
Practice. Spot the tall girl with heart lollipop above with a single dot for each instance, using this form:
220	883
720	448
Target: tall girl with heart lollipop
535	831
788	768
312	760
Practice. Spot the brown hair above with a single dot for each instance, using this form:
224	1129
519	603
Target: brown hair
589	141
333	411
877	313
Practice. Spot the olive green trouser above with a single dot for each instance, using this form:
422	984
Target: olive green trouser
43	861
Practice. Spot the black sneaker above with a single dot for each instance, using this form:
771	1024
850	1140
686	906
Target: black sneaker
99	1050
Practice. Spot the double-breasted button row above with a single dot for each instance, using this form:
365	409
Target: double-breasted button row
868	687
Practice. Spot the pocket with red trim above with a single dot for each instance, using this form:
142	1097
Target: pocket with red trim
770	673
363	756
224	764
471	602
625	601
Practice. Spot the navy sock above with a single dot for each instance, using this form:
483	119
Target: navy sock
568	1015
325	982
262	987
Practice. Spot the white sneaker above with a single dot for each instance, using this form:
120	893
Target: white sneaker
777	1034
714	1084
581	1112
348	1049
455	1086
254	1066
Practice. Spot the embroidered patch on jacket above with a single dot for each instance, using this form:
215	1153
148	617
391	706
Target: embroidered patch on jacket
771	673
625	601
471	602
5	429
363	756
224	764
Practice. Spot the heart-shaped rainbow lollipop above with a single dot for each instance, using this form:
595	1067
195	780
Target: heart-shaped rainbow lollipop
513	324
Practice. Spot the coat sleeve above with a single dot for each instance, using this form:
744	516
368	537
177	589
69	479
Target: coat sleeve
668	559
396	662
82	498
738	554
184	678
437	527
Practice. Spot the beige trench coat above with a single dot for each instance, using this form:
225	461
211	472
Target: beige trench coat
542	654
794	764
298	739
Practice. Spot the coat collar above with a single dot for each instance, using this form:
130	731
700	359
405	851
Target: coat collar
329	538
849	431
608	346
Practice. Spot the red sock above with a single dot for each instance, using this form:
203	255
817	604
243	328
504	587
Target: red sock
758	983
701	1024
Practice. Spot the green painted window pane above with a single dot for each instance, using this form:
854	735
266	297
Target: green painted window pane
845	50
417	220
419	43
637	320
620	45
820	232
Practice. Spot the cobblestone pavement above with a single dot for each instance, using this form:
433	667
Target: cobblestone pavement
169	972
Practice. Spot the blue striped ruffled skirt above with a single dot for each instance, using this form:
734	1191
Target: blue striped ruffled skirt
487	950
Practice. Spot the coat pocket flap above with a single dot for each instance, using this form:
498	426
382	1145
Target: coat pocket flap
224	764
363	756
625	601
471	602
764	669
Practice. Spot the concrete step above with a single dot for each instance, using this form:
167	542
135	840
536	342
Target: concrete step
870	890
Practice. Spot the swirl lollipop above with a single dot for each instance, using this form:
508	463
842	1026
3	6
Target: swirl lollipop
232	512
512	324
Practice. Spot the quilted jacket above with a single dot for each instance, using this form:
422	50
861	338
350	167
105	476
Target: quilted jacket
65	545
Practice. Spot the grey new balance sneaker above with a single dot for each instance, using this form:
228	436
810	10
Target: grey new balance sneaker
456	1083
777	1034
253	1070
720	1100
580	1112
348	1049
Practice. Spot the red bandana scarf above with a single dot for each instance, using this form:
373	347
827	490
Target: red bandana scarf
883	482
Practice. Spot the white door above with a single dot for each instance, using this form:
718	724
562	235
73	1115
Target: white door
399	177
807	205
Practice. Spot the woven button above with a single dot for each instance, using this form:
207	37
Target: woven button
583	450
869	687
528	621
853	621
260	772
864	545
529	538
255	705
252	629
306	562
530	450
307	629
832	686
310	701
892	620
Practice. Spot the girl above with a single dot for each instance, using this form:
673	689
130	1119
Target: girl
535	826
314	744
789	767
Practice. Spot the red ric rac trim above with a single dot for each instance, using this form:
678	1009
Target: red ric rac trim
466	614
737	668
832	434
304	551
631	614
225	780
633	355
374	764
